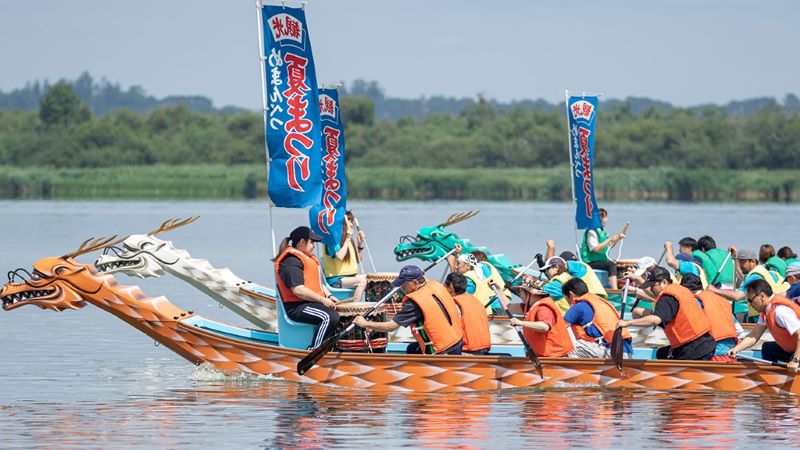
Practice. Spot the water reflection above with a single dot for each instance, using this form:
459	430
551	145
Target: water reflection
283	414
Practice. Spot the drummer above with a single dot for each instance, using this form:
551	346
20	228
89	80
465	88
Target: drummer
430	312
304	297
340	263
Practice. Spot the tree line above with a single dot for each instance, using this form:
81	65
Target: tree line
64	132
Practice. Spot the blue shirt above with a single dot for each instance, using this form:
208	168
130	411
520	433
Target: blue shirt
752	277
553	288
582	313
794	291
685	267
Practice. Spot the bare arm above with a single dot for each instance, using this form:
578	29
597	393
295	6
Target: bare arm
646	321
749	340
538	326
551	249
377	326
670	256
735	295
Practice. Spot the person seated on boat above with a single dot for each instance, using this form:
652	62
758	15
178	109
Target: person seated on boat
684	262
544	327
593	320
678	312
711	259
748	264
340	263
769	259
788	255
477	277
595	246
430	312
299	280
638	275
578	269
477	339
555	269
793	278
725	329
494	276
781	317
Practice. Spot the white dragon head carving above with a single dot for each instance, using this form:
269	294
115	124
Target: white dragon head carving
141	255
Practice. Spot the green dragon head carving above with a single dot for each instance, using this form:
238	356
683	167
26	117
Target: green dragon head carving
431	243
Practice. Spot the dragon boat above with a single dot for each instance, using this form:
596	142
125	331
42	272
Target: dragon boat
145	256
60	283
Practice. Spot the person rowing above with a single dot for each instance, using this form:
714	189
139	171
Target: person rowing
678	312
430	312
477	339
544	328
787	255
781	317
769	259
595	247
340	263
725	329
593	320
305	298
684	262
793	278
711	258
575	268
478	276
748	264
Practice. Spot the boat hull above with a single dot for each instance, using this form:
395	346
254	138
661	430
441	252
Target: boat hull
436	373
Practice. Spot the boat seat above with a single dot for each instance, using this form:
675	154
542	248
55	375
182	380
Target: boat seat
340	293
292	334
603	276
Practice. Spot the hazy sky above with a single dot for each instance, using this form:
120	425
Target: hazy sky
682	51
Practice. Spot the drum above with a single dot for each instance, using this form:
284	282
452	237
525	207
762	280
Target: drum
358	339
378	285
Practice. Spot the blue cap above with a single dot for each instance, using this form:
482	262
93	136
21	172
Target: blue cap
408	273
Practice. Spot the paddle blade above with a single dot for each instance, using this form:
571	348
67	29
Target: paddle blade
617	348
316	354
535	360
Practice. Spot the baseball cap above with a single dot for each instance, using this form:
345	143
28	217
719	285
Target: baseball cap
747	253
304	233
793	269
643	264
568	256
657	273
468	258
408	273
529	284
553	261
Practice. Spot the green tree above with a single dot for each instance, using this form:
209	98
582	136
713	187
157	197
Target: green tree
358	110
59	106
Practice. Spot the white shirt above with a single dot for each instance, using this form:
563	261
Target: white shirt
784	317
591	239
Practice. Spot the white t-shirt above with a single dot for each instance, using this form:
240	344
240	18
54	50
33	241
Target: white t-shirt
784	317
591	239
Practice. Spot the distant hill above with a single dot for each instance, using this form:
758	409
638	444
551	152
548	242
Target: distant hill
104	96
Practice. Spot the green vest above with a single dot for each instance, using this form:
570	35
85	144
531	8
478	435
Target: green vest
791	260
711	262
776	264
587	255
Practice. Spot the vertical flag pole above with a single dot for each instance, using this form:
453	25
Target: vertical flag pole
261	62
572	169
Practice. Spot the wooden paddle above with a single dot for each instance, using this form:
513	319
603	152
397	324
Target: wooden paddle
763	361
327	345
722	266
528	350
616	342
622	241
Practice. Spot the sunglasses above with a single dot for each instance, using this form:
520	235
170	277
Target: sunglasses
752	299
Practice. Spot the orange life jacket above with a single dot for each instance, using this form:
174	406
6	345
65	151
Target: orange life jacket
555	342
690	323
719	314
605	319
787	342
311	275
442	328
474	323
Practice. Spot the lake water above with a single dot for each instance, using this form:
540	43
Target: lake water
86	379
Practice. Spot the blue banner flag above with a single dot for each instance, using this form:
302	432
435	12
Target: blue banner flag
292	109
582	117
327	217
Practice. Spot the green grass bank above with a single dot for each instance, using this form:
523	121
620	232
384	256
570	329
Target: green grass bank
392	183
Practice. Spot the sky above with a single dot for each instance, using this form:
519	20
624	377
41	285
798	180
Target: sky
686	52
